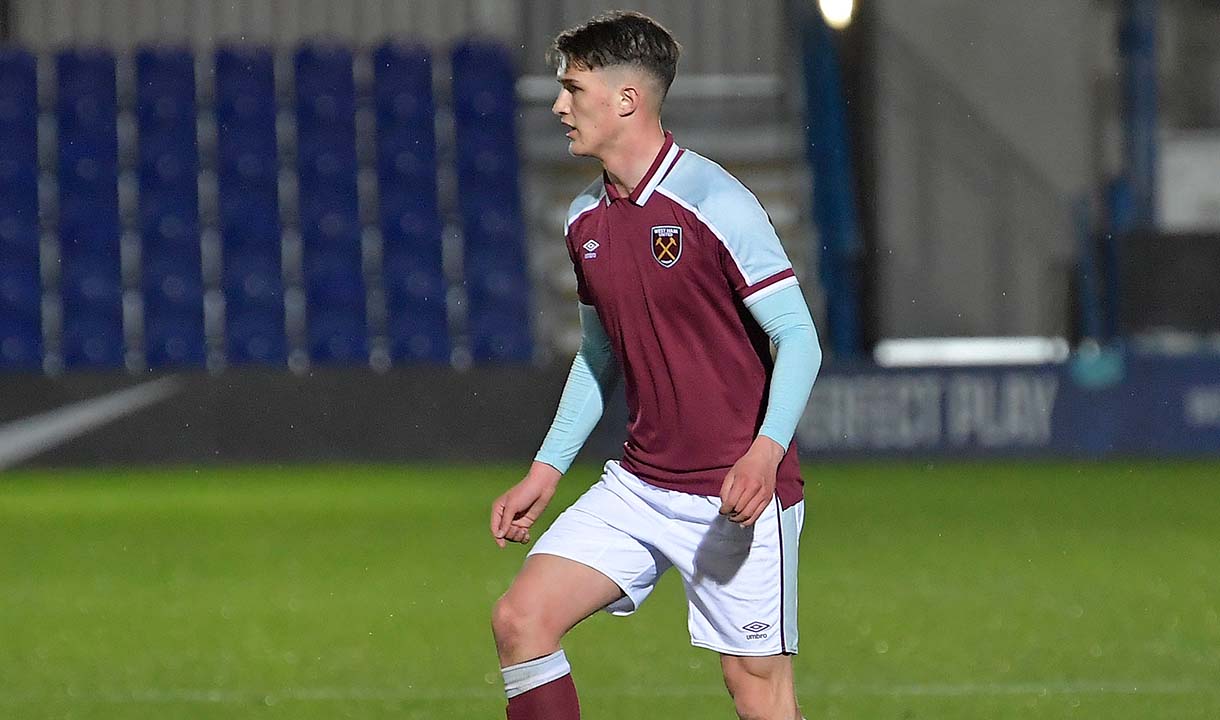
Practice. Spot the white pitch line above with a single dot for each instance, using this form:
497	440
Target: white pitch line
24	438
216	696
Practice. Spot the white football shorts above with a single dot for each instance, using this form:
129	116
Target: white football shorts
740	582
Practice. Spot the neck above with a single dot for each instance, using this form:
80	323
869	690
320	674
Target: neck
629	159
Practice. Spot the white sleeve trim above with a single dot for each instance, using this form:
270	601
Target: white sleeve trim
768	291
719	235
568	223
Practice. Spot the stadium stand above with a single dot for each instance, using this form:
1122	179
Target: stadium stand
227	169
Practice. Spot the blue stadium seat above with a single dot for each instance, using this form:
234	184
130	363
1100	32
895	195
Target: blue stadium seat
20	342
329	217
496	273
19	225
169	220
402	83
20	315
175	340
250	221
172	282
88	225
406	162
409	220
255	336
91	285
418	336
483	81
18	86
500	339
20	289
93	340
487	158
337	336
411	280
245	83
253	282
333	278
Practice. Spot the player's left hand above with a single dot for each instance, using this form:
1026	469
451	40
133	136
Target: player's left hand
750	483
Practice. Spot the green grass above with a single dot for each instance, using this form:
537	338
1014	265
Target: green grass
927	591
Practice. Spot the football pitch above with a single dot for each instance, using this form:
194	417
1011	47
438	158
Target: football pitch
929	590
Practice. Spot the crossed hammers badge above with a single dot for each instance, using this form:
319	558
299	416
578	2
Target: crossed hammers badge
666	244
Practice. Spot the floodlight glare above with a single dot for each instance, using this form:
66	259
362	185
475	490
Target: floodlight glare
838	13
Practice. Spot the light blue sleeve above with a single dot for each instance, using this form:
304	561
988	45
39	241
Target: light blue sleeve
592	378
785	318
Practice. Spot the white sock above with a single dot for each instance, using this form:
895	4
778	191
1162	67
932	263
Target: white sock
526	676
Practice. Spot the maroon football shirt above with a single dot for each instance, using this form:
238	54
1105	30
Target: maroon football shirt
671	271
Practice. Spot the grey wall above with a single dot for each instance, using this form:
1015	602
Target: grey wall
984	134
271	415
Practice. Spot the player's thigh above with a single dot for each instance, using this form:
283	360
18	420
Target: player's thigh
551	595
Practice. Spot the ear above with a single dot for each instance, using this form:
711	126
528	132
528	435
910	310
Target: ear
628	100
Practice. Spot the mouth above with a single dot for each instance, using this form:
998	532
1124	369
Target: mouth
570	131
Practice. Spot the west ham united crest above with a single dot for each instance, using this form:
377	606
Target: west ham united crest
666	244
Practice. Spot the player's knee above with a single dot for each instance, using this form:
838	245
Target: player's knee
759	695
506	621
513	622
762	704
754	702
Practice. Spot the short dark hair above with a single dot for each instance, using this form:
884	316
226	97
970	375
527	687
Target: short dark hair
620	38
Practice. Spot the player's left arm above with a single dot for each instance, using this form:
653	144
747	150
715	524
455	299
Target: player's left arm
750	484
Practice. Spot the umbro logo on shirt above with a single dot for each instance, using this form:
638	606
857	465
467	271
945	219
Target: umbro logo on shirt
591	249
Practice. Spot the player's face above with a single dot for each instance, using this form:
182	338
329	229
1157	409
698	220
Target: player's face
586	106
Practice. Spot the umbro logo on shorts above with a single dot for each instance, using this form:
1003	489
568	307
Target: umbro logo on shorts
755	630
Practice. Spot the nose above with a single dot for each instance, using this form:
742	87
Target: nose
560	106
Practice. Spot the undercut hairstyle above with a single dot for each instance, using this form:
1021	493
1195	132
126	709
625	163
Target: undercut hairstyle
616	39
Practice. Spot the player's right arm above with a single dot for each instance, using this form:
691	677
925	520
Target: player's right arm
592	378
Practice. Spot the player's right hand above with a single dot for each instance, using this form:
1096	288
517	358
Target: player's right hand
514	512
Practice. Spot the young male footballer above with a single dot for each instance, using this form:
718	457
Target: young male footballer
683	286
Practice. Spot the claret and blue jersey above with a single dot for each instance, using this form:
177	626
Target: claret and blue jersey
671	271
